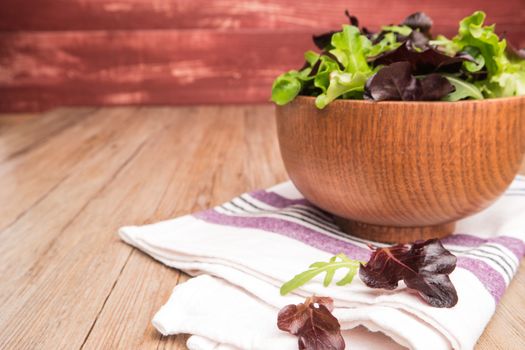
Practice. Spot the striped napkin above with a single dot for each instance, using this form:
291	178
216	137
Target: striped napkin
243	250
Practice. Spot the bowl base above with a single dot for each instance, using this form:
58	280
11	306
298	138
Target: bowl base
394	234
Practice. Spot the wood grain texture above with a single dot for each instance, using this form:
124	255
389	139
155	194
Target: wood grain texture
402	171
182	52
40	70
235	14
35	131
68	282
11	121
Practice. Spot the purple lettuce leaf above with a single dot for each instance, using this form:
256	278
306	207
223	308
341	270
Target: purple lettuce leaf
419	21
422	62
396	83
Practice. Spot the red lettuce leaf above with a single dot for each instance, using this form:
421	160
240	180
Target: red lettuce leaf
313	323
420	24
324	39
434	87
419	21
396	83
352	19
368	33
424	266
418	40
423	62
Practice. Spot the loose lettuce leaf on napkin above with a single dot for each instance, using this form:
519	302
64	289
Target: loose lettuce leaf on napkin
313	323
335	263
424	266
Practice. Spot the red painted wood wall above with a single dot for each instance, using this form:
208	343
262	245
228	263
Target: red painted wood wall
179	52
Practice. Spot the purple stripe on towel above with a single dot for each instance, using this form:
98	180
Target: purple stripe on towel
516	246
276	200
289	229
490	278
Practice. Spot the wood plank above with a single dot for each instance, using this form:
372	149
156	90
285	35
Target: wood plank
11	121
30	176
33	132
113	329
142	287
505	330
119	134
193	187
229	163
76	265
234	14
72	283
111	318
41	70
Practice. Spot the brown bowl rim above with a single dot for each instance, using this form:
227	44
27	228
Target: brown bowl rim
311	100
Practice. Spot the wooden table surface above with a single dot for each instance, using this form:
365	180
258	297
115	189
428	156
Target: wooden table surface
69	178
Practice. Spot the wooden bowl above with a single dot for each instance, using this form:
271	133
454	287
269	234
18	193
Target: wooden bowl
402	171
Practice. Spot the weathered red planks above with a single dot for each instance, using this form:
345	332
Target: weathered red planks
105	52
235	14
41	70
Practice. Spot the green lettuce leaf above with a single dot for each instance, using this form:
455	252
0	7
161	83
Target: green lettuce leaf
337	262
288	85
388	43
505	77
445	45
479	63
326	66
350	48
476	62
341	83
506	84
510	81
472	33
311	57
464	90
401	29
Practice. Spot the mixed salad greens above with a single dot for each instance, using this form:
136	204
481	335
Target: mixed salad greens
405	62
423	266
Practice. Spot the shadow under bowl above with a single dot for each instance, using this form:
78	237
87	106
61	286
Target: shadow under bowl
401	171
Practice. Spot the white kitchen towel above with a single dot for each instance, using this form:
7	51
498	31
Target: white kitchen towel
257	241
